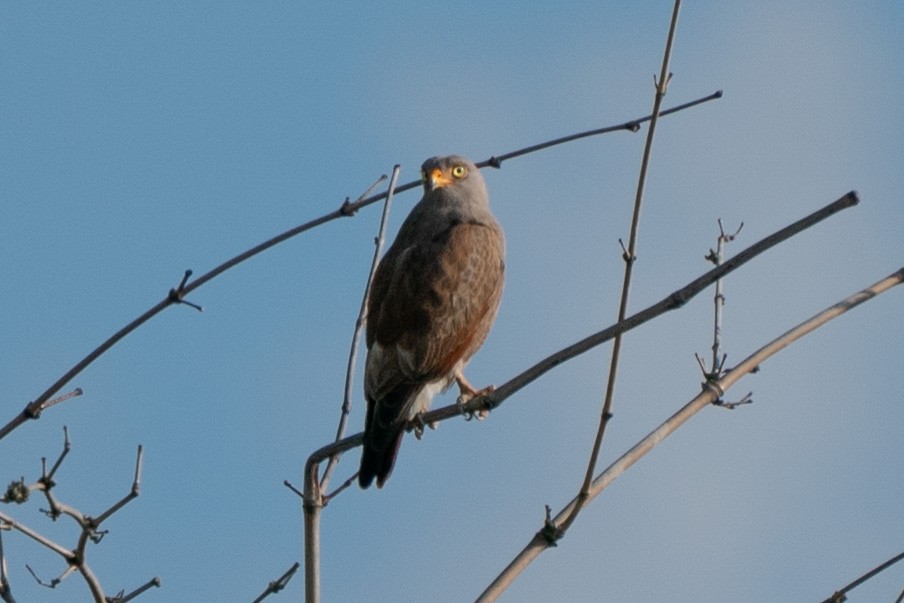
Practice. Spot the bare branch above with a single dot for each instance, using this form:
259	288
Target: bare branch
630	256
125	598
68	396
711	392
134	492
631	126
673	301
313	499
841	595
278	584
312	549
21	527
34	409
291	487
359	324
91	580
718	358
67	446
76	558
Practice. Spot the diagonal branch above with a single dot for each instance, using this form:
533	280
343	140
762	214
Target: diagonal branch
841	595
177	295
134	492
277	585
674	300
629	257
712	391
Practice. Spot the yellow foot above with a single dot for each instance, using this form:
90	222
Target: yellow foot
467	392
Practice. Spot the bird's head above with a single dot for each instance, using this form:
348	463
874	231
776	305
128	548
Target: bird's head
450	171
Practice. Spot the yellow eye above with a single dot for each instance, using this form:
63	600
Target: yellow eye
459	171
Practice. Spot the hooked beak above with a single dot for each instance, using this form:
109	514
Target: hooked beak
436	179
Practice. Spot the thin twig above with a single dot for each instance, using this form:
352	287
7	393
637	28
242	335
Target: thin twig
712	391
134	492
278	584
629	256
716	257
841	594
359	325
313	497
34	409
718	303
125	598
39	538
291	487
673	301
68	396
67	446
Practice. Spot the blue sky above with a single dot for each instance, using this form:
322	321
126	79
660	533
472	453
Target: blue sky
138	140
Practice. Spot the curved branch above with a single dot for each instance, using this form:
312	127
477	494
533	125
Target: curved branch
34	409
840	594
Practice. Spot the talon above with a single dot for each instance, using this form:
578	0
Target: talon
417	423
467	392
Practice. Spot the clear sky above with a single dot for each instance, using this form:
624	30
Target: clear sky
141	139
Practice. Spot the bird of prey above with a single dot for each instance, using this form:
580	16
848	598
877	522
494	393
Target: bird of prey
433	300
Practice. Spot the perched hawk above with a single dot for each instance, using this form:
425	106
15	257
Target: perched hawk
432	302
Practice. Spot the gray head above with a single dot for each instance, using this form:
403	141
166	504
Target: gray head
455	176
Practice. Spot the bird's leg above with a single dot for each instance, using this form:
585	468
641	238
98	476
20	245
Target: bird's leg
467	391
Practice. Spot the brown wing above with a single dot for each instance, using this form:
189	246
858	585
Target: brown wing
440	301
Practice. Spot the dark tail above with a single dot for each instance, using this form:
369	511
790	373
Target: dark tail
383	430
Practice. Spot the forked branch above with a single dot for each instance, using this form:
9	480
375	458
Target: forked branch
75	558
